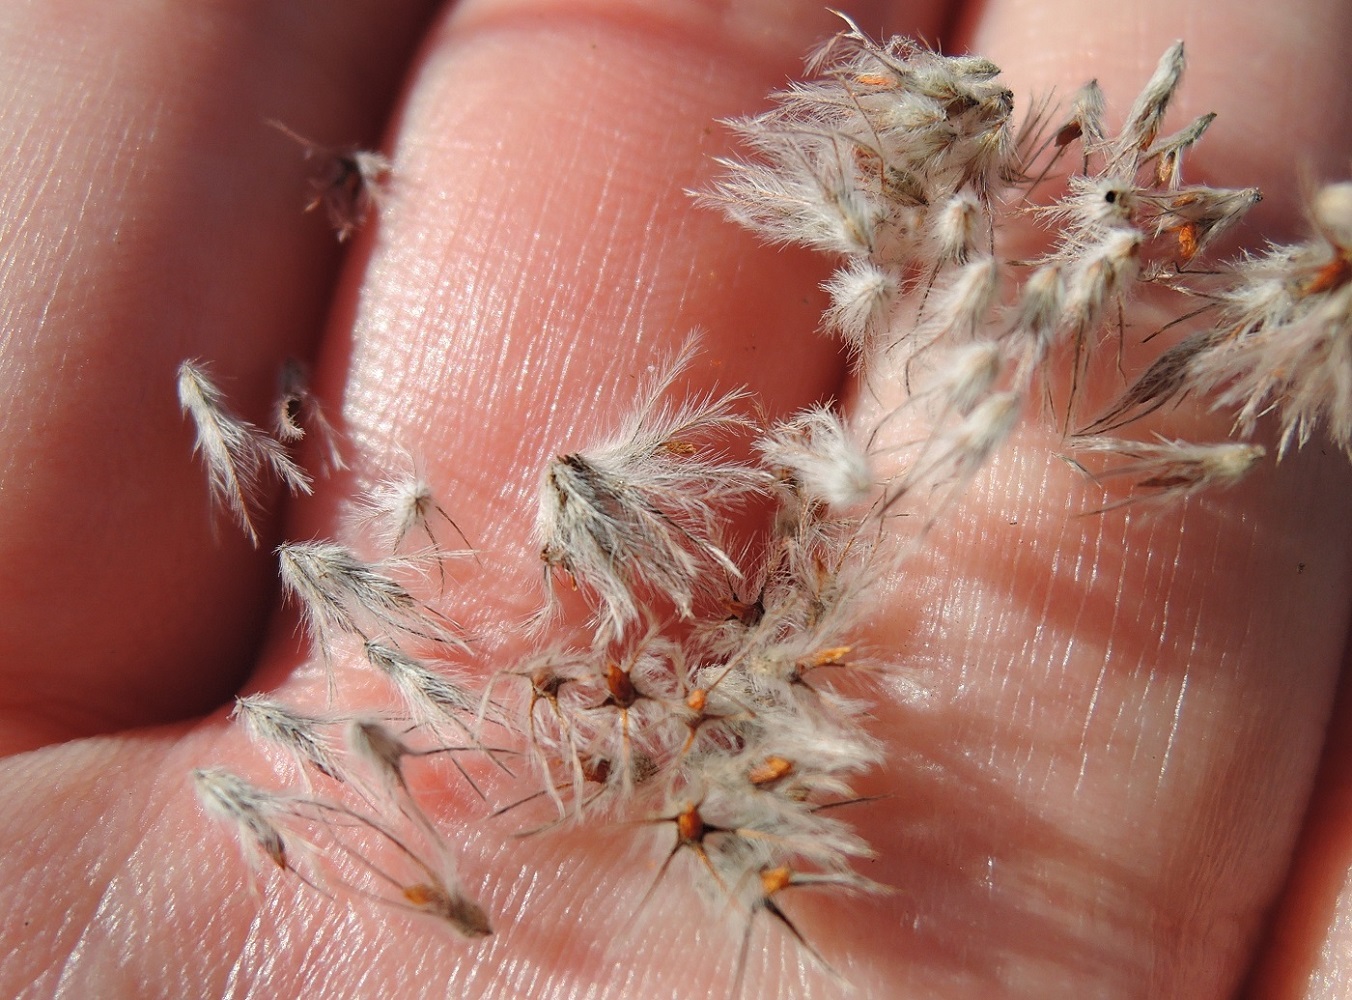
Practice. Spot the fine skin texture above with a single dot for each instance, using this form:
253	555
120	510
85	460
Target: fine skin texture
1100	779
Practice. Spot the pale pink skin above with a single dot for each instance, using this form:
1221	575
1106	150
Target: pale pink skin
1100	792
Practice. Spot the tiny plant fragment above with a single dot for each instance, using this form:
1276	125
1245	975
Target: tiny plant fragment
239	456
299	413
347	183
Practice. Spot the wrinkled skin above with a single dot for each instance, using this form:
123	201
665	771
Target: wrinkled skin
1106	774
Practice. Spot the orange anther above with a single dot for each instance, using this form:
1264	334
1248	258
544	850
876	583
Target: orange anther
770	770
1187	240
830	657
690	825
422	894
775	879
1332	275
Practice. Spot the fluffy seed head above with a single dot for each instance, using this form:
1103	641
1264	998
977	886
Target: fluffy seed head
638	511
238	455
814	454
862	294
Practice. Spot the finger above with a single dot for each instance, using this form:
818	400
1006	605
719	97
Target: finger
1308	950
1122	712
150	217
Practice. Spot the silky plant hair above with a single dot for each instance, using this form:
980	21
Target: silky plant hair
712	705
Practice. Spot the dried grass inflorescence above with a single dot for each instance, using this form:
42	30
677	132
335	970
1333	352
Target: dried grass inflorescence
716	701
722	726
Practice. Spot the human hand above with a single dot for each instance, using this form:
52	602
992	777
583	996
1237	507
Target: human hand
1099	786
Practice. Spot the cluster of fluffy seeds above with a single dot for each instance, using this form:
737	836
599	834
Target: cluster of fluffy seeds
910	169
713	701
1281	342
888	159
717	726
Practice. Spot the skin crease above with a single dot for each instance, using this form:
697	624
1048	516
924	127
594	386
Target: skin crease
1097	782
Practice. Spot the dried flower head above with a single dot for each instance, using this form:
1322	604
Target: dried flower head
1282	342
638	511
814	457
300	735
1146	115
403	505
862	294
1164	471
253	813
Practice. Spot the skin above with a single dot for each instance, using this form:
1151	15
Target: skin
1107	777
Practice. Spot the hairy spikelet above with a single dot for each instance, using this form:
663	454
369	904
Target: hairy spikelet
348	184
239	457
338	593
638	511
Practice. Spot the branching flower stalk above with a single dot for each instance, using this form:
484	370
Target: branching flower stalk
717	703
